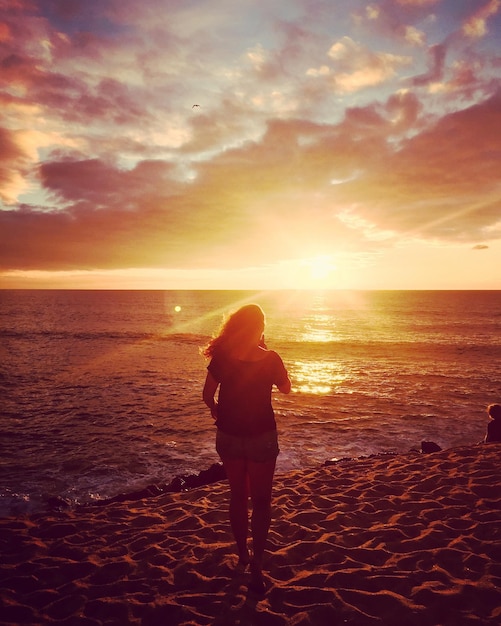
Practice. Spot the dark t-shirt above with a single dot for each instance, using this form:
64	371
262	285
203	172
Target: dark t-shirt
494	430
244	401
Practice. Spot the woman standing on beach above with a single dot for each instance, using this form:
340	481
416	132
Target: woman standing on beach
245	372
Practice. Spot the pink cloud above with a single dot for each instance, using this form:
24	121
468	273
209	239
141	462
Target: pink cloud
146	216
417	3
287	134
439	172
476	25
437	54
14	165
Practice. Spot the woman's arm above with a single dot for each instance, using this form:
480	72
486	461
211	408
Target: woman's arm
281	374
209	392
285	387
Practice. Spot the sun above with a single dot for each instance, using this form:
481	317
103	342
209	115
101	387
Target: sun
320	268
310	272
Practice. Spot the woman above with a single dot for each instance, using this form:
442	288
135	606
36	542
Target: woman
245	372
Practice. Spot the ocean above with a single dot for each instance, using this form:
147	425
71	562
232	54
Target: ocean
101	390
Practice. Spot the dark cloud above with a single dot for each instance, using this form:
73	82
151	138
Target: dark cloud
435	72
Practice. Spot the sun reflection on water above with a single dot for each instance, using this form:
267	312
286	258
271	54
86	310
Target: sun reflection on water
319	329
317	377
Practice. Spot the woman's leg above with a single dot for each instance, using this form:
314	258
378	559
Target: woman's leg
261	482
236	471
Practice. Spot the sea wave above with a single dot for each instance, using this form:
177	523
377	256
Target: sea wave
99	335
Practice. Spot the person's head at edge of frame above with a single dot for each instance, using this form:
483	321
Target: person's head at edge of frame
494	411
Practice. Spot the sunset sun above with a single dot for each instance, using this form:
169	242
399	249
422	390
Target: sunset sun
320	270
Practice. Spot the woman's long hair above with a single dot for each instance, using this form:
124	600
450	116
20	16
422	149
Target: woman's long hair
242	328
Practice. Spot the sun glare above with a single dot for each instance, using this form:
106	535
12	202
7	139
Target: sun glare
320	269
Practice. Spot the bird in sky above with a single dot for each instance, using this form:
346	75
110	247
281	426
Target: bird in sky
195	105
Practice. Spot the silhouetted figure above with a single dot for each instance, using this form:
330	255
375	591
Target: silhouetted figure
245	371
494	426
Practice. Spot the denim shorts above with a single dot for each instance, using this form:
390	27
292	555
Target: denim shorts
258	449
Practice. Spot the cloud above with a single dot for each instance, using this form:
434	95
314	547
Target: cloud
148	215
317	129
372	12
436	54
417	3
431	184
414	36
475	27
14	165
402	20
353	67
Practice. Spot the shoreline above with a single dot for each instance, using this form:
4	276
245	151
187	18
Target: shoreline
396	539
182	483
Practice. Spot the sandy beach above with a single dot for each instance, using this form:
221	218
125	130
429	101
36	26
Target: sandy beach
404	540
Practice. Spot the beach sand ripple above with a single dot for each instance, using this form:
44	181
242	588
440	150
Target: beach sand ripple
397	540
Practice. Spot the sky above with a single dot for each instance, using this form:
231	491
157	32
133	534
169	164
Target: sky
215	144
